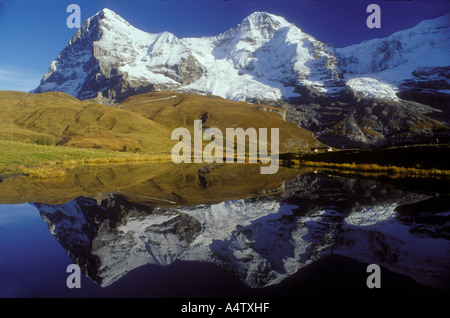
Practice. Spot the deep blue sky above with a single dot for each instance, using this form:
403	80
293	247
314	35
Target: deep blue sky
33	32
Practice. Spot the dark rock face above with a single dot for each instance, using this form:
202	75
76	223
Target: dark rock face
367	122
429	86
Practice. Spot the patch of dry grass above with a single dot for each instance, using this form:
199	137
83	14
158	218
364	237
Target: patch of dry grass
372	168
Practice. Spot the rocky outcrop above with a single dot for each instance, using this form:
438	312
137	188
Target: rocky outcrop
368	122
429	86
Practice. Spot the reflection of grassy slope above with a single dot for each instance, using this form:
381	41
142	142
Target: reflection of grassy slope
157	184
197	184
79	181
142	124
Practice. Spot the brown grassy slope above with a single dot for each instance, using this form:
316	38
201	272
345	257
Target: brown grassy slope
182	110
58	118
143	122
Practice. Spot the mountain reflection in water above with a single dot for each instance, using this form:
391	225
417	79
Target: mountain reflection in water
263	229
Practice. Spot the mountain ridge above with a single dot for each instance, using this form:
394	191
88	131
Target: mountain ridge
236	44
265	59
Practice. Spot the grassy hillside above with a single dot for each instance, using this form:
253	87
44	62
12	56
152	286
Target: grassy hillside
59	119
180	110
140	125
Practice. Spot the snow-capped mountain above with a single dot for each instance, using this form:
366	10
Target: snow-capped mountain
261	240
379	92
109	56
379	66
264	57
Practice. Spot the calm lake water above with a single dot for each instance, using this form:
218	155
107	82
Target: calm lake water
164	232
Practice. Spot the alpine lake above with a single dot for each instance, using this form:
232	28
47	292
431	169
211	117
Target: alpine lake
161	230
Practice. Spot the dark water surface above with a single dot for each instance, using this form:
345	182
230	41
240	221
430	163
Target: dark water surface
305	235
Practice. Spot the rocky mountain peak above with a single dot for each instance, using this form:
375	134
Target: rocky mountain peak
107	16
266	59
93	27
164	40
264	21
255	30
